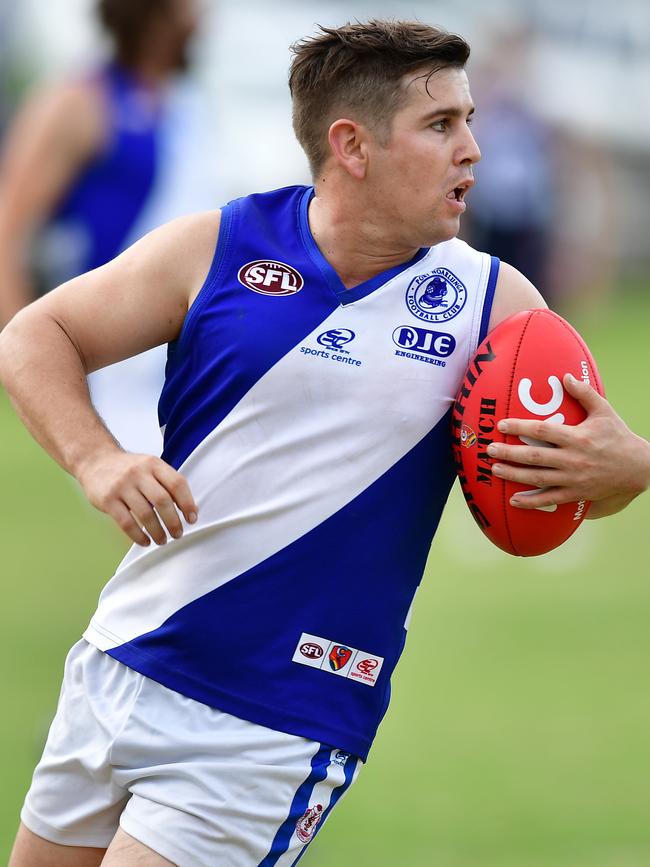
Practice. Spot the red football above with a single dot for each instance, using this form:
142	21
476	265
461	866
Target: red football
517	372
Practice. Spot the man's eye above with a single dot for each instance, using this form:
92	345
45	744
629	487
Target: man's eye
440	125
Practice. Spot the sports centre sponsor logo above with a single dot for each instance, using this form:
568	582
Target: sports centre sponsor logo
338	659
421	344
333	342
336	338
268	277
437	296
366	666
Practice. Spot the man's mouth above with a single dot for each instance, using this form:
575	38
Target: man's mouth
458	193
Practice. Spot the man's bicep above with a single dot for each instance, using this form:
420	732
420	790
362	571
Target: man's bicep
513	293
140	299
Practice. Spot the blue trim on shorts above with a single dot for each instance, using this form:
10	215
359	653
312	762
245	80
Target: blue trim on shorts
319	765
337	794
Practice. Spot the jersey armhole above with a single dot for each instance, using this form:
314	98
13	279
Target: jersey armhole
489	298
221	252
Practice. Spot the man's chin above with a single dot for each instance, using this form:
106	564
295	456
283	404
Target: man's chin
442	232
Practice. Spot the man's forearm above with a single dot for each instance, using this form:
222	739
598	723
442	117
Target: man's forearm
640	447
45	378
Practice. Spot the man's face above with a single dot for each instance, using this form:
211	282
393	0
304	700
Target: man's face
419	177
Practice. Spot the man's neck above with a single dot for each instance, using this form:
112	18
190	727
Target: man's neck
354	242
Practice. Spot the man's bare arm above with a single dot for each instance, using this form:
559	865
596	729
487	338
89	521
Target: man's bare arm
52	138
133	303
600	459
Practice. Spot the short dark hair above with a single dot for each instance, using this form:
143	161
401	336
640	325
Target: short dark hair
127	22
357	69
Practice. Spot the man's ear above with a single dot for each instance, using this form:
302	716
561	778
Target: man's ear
348	141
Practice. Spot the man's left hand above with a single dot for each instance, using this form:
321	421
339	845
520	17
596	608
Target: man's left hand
600	459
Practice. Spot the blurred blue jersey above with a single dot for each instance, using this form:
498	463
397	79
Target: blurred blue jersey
93	222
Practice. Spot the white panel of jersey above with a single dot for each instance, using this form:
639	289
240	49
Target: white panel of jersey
318	460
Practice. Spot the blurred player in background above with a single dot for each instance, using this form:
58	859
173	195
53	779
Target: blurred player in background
230	685
80	180
531	175
515	202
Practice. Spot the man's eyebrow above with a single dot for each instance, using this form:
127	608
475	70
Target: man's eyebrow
453	111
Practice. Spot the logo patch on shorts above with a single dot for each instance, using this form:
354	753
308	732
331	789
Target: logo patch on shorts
306	824
268	277
338	659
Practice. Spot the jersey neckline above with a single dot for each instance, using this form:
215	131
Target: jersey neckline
344	295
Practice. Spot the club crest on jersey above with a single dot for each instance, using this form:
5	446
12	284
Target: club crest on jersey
437	296
339	657
306	824
268	277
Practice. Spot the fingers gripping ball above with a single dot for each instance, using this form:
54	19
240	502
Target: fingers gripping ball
517	372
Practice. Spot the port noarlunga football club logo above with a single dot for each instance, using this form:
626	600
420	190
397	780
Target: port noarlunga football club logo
436	296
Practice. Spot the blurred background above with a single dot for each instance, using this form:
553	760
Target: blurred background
518	733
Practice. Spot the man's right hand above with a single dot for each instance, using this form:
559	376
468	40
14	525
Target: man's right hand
140	493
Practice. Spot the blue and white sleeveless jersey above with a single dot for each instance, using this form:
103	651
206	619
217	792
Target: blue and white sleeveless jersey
312	423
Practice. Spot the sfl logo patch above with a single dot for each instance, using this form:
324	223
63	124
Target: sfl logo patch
268	277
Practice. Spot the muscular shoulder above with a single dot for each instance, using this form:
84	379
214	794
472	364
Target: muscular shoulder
513	293
187	246
69	115
144	293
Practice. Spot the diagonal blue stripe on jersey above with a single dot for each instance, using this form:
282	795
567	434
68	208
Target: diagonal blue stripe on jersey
349	579
232	335
337	794
319	765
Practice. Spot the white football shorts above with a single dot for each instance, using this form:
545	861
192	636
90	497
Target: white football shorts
198	786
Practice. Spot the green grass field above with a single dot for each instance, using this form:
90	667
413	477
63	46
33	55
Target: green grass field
520	725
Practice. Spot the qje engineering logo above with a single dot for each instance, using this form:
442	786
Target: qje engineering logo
422	344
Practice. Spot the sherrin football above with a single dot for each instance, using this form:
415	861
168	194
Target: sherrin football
517	372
